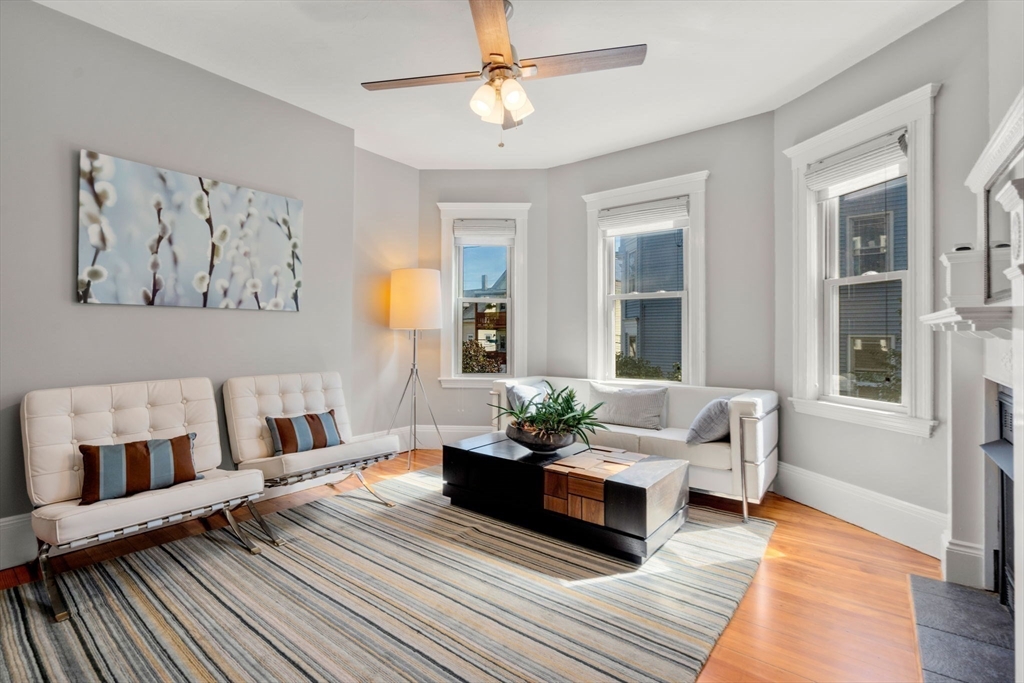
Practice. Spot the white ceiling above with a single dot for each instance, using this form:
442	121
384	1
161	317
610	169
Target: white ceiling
708	62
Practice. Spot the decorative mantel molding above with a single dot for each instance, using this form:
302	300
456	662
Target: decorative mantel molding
983	322
1003	145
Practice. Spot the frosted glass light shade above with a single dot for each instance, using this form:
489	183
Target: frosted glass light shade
523	111
483	100
512	94
415	299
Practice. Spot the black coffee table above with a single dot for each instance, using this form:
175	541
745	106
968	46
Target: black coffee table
623	504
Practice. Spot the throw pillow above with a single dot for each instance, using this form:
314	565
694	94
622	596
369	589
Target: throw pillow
640	407
521	394
711	423
304	432
124	469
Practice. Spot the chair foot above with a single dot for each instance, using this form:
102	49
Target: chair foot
267	529
60	611
240	534
362	480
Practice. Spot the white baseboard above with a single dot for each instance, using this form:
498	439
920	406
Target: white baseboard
964	563
18	542
912	525
427	437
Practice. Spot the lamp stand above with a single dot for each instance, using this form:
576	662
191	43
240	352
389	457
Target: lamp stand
414	381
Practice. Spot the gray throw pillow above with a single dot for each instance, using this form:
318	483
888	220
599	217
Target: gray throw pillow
711	423
641	407
521	394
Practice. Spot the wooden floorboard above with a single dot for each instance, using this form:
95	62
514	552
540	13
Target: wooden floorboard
830	602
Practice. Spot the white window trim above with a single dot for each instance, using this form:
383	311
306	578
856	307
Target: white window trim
517	315
913	110
693	185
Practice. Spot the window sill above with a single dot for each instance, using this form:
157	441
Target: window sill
880	419
470	382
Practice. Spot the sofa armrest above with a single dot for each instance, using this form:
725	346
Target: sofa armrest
753	425
499	397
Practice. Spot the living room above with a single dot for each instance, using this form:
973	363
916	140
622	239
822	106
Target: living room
778	242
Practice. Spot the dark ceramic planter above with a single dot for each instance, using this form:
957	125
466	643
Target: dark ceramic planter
538	443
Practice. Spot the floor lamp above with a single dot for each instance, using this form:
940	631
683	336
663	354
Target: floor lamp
415	306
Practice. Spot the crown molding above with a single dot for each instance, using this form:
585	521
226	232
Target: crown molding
1004	145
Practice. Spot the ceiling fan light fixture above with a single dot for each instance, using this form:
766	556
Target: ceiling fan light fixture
512	94
523	111
483	100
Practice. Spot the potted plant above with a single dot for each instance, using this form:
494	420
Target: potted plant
552	423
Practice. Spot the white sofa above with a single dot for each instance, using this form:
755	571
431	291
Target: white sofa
249	401
714	467
54	422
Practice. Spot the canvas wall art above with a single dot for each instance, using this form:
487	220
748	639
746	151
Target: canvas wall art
148	236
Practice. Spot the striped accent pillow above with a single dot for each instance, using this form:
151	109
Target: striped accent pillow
124	469
304	432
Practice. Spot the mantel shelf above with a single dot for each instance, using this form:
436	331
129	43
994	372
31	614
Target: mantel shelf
985	322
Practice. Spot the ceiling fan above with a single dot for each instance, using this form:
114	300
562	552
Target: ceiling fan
501	99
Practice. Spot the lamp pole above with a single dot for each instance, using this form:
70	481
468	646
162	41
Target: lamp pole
412	383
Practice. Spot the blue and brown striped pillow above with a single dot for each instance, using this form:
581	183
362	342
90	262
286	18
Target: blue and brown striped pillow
304	432
124	469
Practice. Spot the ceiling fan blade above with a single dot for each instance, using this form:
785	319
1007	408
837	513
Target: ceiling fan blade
491	30
581	62
422	80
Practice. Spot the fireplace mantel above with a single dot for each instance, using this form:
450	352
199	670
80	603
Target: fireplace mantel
985	322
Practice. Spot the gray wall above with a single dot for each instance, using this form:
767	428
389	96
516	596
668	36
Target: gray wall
952	50
386	238
68	85
469	406
1005	57
740	271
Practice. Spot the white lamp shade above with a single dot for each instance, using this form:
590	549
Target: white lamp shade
483	100
523	111
415	299
512	94
497	114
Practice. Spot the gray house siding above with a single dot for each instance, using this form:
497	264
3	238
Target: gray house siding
659	267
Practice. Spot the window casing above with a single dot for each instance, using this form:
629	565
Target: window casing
862	268
646	281
483	285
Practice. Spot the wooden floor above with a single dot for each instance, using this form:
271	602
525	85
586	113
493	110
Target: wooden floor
830	602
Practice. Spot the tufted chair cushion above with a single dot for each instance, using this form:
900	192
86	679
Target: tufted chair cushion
248	401
55	422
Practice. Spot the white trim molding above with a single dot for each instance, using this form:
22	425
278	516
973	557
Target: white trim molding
517	313
912	525
912	111
692	185
963	562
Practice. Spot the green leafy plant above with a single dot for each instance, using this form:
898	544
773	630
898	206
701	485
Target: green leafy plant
635	367
558	413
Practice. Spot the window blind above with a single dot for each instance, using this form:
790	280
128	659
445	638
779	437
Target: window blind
484	230
664	214
874	155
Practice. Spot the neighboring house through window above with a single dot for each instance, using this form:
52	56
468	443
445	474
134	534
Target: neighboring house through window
646	313
863	273
484	294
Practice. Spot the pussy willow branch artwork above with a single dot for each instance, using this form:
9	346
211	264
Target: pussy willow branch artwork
152	237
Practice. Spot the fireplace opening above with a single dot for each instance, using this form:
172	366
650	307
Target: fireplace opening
1000	452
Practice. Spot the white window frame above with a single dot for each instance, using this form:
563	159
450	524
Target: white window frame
601	276
812	352
516	312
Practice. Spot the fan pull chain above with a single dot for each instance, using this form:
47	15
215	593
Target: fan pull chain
501	138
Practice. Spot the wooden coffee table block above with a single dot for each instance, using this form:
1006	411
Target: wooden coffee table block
623	504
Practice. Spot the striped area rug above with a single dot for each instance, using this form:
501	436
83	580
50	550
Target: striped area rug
422	591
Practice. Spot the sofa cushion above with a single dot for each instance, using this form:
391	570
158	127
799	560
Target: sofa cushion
68	521
670	443
618	436
303	432
639	407
124	469
711	423
290	464
521	394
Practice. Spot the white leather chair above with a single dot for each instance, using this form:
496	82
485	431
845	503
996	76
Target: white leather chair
249	401
54	422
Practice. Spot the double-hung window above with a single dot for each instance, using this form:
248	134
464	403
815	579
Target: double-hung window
862	276
646	316
484	293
